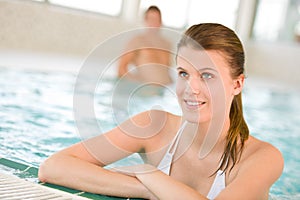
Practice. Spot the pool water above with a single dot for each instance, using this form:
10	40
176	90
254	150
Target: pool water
36	118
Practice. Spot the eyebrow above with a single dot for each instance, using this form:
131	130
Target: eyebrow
202	69
180	68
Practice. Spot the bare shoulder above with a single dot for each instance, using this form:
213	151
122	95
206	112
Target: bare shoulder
148	123
261	164
260	157
167	42
137	41
142	40
134	42
263	149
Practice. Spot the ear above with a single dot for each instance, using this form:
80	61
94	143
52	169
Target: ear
238	84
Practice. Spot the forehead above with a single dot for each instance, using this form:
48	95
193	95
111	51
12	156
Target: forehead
200	58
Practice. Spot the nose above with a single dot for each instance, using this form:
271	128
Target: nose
194	85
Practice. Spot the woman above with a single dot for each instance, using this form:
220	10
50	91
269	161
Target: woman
207	153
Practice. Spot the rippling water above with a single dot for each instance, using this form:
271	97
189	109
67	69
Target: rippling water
36	119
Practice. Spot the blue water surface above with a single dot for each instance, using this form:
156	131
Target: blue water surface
36	118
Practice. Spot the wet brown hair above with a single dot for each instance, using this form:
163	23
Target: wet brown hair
212	36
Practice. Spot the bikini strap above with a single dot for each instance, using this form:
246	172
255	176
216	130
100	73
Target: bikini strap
166	162
172	148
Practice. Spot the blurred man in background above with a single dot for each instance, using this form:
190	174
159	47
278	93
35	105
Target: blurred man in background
147	56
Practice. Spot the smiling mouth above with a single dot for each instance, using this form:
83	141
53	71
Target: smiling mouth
194	104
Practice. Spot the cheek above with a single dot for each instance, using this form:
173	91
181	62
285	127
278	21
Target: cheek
220	97
180	88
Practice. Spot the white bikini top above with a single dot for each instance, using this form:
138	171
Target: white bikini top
166	162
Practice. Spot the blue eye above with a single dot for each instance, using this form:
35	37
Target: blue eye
206	75
182	74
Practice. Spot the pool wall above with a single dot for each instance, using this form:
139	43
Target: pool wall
42	28
29	172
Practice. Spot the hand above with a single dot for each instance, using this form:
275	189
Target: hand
137	169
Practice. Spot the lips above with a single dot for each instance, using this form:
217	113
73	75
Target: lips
193	104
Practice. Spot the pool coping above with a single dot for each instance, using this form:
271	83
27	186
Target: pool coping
24	171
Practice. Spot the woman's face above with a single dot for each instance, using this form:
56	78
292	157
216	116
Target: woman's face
204	87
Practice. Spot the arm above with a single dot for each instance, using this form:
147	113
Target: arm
256	176
81	165
70	171
128	57
165	187
253	180
125	60
161	185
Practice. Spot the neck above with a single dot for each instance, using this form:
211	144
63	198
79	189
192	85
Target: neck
208	137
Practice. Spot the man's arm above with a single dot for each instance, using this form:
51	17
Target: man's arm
125	60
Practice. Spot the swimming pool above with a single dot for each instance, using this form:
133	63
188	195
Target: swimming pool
37	119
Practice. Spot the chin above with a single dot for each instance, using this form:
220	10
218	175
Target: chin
195	118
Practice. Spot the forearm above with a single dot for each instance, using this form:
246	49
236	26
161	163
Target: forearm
165	187
121	72
122	69
78	174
